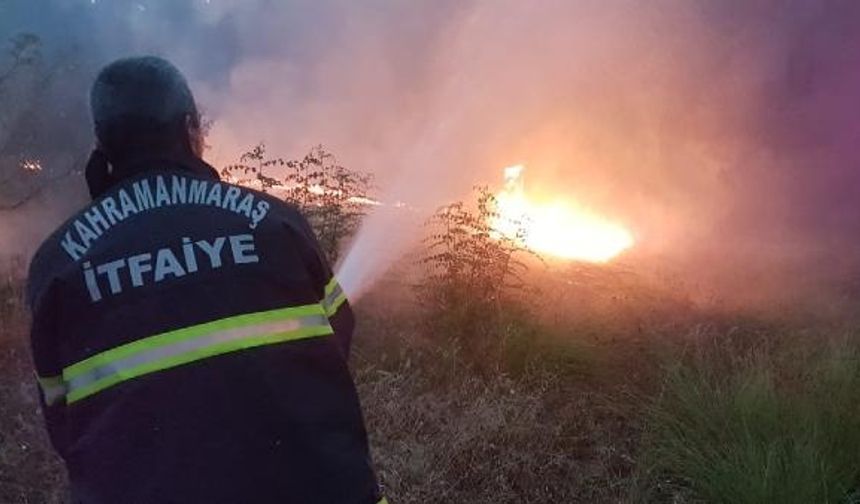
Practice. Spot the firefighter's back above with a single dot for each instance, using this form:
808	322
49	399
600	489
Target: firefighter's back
192	345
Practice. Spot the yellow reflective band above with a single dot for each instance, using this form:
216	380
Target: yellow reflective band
190	344
188	333
334	297
383	501
331	286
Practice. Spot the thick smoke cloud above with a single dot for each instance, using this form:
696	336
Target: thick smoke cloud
726	129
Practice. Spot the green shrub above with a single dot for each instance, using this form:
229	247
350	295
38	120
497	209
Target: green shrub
768	431
473	291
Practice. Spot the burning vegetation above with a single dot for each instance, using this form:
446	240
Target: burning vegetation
521	344
555	227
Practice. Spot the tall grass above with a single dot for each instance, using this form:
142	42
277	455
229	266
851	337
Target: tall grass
771	424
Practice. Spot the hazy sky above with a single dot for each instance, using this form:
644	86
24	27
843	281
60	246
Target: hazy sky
715	124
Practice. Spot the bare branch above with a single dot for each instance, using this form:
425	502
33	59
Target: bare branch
38	190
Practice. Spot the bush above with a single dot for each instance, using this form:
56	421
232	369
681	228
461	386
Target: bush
473	292
332	197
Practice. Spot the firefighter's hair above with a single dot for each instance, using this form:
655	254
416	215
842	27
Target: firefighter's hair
142	103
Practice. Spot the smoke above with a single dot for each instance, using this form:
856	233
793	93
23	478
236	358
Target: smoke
723	133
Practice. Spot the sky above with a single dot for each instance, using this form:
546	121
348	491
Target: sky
711	128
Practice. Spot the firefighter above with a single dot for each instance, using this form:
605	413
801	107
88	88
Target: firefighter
189	338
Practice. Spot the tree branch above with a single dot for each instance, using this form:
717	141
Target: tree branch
11	207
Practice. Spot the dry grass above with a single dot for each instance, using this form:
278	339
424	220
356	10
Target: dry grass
443	432
30	472
565	417
490	442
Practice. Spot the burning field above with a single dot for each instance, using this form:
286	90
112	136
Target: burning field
599	251
526	351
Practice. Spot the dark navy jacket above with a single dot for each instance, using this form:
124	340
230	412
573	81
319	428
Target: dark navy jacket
191	345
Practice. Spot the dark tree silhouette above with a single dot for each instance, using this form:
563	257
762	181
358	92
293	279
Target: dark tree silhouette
39	126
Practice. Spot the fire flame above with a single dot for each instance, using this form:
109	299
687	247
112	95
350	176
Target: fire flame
31	165
556	228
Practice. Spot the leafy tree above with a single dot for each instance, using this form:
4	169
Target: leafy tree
332	197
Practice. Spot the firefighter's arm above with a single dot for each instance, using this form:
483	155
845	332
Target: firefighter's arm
332	296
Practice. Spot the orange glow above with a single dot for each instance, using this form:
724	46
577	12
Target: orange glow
556	228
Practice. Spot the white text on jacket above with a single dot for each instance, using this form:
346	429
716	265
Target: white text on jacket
148	268
152	193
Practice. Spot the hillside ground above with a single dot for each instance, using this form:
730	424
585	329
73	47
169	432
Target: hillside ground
640	397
